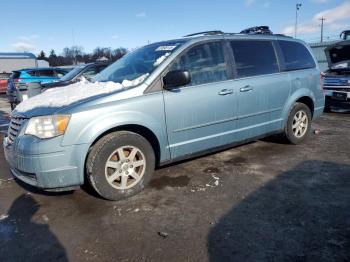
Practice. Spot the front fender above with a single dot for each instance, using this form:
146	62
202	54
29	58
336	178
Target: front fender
86	126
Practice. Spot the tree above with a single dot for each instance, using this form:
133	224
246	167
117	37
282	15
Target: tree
52	53
42	55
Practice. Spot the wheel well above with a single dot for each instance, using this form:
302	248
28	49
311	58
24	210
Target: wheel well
138	129
307	101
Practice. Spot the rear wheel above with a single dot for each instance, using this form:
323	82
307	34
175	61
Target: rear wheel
299	124
120	165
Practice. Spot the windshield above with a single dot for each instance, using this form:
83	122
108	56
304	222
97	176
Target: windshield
72	73
139	63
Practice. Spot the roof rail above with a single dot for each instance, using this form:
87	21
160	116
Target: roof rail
214	32
256	30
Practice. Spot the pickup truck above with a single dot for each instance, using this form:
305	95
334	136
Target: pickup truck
337	77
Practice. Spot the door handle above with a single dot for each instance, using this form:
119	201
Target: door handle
225	92
246	89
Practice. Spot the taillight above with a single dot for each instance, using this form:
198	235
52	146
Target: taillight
322	75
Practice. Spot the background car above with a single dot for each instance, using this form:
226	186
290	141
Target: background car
87	71
20	81
337	77
3	82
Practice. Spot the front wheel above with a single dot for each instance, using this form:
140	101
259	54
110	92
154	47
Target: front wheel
299	124
120	165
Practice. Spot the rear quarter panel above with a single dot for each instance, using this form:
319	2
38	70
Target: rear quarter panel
305	83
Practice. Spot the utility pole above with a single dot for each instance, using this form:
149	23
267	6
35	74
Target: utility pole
322	24
297	8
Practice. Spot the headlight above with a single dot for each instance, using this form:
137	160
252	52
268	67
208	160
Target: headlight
47	126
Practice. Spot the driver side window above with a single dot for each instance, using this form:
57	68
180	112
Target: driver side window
205	62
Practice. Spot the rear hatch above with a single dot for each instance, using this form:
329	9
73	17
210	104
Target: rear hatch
337	78
338	57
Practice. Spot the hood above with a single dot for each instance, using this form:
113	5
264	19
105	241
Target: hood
60	99
338	55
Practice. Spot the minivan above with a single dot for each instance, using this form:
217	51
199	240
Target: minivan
162	103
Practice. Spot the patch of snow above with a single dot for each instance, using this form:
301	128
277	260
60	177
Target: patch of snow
161	59
135	82
3	217
45	218
63	96
215	177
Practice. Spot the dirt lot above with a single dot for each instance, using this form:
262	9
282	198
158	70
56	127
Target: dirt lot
264	201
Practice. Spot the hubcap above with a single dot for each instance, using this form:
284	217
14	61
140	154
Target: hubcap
125	167
300	124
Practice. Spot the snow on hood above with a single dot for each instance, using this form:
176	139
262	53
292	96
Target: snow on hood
161	59
63	96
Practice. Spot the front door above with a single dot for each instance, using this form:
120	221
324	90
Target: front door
200	115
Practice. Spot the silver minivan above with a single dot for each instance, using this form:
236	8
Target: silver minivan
162	103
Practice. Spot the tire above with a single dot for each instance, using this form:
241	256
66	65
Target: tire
290	132
119	156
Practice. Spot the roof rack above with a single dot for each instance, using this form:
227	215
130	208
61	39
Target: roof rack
214	32
256	30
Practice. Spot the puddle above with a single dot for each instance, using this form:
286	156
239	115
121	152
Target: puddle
166	181
237	161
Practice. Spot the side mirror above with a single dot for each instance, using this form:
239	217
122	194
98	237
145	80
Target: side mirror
176	78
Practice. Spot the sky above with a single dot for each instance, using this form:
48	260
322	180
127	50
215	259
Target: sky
44	25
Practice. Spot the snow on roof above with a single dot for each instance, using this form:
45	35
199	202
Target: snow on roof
63	96
17	56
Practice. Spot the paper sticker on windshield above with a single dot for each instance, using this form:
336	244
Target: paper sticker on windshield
166	48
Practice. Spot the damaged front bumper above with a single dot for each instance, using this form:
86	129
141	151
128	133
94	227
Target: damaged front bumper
45	163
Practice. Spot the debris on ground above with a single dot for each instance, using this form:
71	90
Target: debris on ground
163	234
6	180
317	131
45	218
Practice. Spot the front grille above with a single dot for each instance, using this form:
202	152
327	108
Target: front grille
336	81
15	127
333	88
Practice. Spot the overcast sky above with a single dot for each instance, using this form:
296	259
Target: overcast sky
43	25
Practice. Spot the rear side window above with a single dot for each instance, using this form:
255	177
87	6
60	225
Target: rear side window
45	73
205	62
32	73
296	56
253	58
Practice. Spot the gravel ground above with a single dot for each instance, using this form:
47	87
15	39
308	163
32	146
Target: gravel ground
264	201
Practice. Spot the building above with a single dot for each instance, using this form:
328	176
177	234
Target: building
14	61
